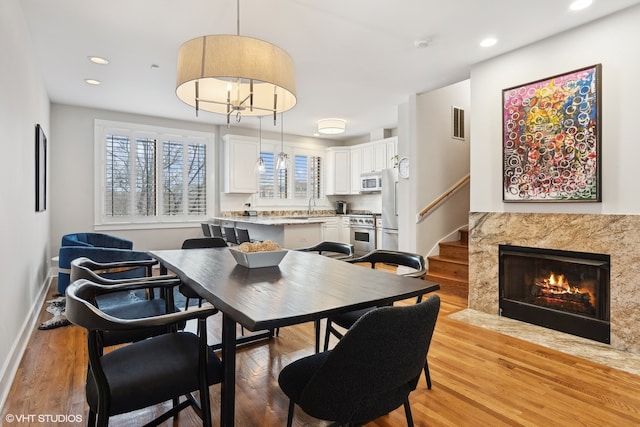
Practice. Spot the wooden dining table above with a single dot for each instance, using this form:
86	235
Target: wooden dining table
303	287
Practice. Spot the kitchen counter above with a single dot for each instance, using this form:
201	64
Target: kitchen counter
273	220
290	232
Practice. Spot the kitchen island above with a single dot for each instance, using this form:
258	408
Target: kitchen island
289	232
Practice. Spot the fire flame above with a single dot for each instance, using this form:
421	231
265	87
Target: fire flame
560	283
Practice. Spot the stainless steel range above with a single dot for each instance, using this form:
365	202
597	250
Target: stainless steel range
363	233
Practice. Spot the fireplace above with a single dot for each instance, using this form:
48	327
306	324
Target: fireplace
561	290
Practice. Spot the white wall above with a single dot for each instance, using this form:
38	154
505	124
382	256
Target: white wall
613	42
24	233
72	176
437	162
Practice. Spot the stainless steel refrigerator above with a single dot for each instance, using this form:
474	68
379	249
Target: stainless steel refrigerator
390	209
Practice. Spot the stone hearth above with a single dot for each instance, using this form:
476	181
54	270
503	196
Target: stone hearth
616	235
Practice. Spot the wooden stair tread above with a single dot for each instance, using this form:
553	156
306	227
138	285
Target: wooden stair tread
456	243
448	259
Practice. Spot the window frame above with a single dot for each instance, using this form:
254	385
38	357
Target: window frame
292	150
102	128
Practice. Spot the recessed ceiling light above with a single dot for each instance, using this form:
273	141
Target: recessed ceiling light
98	60
580	4
421	43
488	42
93	82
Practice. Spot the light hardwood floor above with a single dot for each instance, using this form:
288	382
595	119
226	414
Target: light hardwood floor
480	378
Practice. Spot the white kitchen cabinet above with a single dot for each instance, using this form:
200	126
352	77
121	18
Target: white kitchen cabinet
368	158
356	169
338	172
344	230
330	230
391	147
240	154
376	155
302	235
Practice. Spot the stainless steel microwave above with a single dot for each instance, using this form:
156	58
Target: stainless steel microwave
371	182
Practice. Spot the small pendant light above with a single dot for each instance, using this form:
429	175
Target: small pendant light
259	168
283	159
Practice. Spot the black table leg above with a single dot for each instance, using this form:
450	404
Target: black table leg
228	391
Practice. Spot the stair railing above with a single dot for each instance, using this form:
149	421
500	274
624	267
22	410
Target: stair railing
431	206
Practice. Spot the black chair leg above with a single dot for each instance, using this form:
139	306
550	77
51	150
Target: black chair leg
290	413
407	412
316	324
327	332
427	375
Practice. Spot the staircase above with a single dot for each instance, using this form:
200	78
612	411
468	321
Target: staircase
450	269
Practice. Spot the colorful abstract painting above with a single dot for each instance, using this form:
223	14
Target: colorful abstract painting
551	139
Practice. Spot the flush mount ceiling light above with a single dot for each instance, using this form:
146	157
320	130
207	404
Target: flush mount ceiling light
92	82
232	74
331	126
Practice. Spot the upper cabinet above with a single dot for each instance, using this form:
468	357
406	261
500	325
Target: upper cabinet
239	153
347	163
338	172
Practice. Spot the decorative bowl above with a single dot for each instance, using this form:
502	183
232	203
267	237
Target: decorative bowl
258	259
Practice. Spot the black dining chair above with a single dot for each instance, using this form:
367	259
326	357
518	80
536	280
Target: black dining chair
243	235
206	230
230	235
337	250
122	305
418	268
216	231
360	379
201	243
147	372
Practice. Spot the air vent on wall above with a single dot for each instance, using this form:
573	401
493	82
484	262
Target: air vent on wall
457	123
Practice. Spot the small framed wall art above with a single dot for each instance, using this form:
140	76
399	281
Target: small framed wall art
41	169
551	143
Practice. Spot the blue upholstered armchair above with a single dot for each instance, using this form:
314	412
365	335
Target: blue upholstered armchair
100	248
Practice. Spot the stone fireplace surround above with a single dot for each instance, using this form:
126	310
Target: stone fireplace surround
616	235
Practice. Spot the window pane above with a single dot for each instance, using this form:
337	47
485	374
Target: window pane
197	179
117	185
146	177
315	176
172	189
300	177
282	183
267	178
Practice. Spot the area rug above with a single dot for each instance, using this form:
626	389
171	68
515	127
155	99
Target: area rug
56	307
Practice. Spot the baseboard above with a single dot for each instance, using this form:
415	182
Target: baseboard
19	346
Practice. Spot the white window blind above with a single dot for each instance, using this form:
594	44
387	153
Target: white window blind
151	176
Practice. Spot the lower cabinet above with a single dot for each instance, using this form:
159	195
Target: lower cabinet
330	229
302	235
344	230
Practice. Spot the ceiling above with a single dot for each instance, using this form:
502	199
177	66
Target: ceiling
354	59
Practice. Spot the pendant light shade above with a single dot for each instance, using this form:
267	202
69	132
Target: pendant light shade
232	74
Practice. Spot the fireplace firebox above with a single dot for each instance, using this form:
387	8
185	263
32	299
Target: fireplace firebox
561	290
